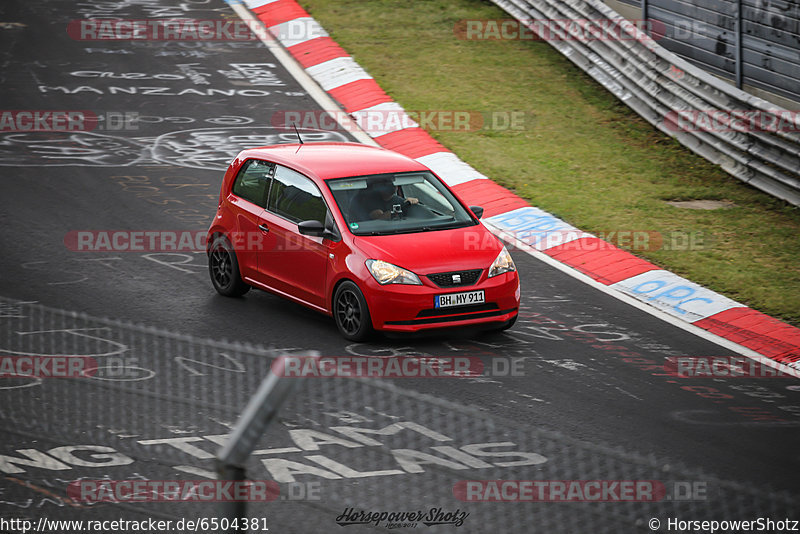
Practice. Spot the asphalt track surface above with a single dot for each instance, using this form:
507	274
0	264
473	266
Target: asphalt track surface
163	173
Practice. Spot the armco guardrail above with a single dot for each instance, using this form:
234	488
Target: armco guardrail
675	96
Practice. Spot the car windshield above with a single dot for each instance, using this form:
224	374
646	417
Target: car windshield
397	203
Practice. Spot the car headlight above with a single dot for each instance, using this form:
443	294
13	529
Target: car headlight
502	264
386	273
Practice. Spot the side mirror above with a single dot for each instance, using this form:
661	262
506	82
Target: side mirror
477	210
317	229
313	228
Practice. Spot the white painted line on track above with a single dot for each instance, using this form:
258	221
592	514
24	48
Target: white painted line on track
302	77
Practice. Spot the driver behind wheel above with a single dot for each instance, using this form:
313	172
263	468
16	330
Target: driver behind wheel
379	201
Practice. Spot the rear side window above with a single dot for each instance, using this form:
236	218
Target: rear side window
252	182
295	197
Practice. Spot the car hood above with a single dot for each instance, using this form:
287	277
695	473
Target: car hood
473	247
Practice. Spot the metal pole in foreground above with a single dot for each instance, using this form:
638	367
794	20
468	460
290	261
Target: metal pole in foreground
259	413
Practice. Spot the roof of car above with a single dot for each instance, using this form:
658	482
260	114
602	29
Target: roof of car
335	160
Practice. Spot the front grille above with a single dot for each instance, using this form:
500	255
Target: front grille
455	278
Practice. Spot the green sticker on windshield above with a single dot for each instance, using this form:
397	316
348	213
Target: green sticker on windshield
354	226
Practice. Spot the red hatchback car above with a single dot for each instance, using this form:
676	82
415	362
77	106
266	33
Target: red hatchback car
364	234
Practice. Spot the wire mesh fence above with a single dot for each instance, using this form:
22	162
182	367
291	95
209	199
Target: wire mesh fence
151	405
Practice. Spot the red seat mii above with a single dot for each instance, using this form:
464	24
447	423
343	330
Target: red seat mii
364	234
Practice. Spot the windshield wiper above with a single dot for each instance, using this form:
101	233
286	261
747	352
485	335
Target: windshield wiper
450	226
416	229
389	232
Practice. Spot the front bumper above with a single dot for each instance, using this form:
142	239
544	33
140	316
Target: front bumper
405	308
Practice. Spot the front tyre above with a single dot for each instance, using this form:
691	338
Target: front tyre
223	267
351	313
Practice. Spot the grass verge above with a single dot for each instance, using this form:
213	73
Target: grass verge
583	155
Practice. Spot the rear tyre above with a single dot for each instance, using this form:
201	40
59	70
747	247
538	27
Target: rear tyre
223	267
351	313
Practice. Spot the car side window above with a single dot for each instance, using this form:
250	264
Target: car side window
295	197
252	182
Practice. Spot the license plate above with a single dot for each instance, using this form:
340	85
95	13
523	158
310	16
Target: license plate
459	299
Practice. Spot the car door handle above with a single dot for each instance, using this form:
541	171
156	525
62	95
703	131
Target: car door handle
263	227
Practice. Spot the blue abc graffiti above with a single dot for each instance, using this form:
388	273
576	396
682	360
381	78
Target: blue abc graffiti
675	295
531	225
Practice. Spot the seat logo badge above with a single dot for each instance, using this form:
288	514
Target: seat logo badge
456	278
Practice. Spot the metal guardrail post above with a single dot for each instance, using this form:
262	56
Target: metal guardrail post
645	9
261	410
738	45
